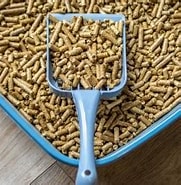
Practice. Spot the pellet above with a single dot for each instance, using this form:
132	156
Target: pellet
49	135
72	128
69	34
137	110
140	37
3	48
54	48
96	29
61	132
160	8
142	74
151	110
32	112
36	40
37	74
100	84
73	135
161	113
50	127
84	83
165	61
33	60
91	5
138	85
116	135
4	3
157	43
110	120
41	78
85	34
109	37
177	83
111	59
101	125
107	138
129	105
12	99
14	45
66	114
2	90
115	70
142	126
107	146
10	84
75	51
13	11
22	85
157	61
77	24
74	154
125	135
176	16
63	49
28	117
98	142
30	6
145	120
75	82
11	19
68	145
58	143
158	89
36	22
178	41
17	31
44	110
165	46
56	33
4	74
15	5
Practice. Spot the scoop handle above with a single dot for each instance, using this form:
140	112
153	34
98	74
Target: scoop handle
86	102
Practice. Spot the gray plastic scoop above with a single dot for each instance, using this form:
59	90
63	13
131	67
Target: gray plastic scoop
87	101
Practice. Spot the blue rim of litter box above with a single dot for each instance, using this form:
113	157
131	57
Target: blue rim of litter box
144	136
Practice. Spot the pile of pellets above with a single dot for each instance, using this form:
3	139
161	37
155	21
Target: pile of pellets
86	52
154	70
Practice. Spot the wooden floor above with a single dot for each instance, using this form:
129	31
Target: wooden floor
22	162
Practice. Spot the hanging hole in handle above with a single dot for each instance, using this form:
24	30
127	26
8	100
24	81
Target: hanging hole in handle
87	172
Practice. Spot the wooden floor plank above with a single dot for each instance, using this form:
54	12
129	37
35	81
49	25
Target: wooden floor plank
21	160
156	162
2	115
70	170
53	176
